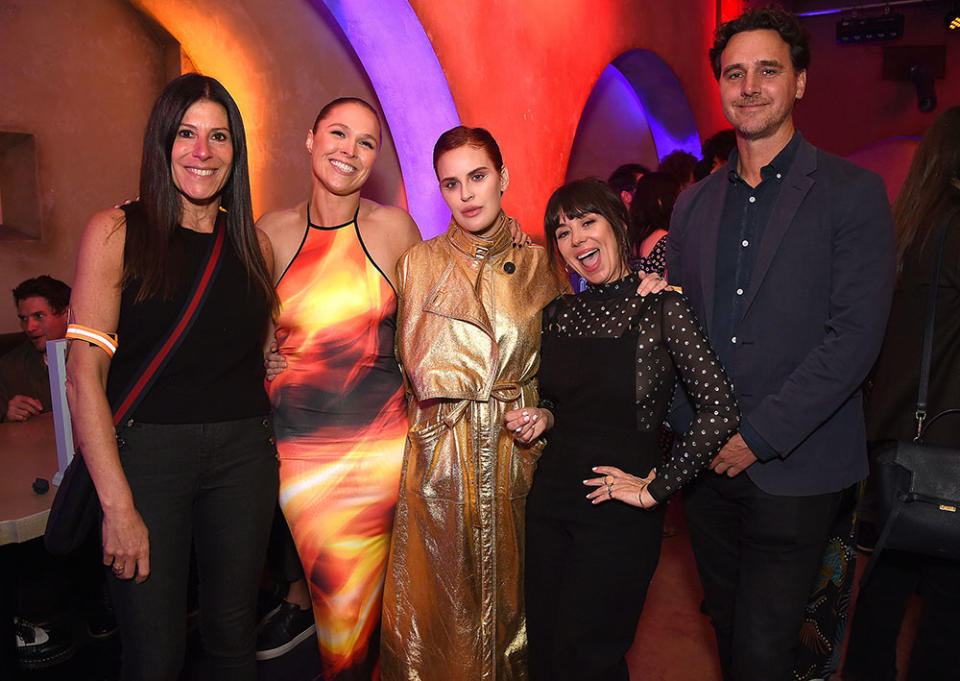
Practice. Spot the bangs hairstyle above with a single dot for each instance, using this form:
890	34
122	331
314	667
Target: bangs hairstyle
772	17
154	255
330	106
576	199
462	136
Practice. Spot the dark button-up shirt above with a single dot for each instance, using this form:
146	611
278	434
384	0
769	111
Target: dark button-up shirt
746	212
23	372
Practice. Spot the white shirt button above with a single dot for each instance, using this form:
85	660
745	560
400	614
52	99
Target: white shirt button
739	291
753	199
779	176
744	243
733	340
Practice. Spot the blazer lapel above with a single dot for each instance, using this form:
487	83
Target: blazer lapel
709	215
795	187
454	297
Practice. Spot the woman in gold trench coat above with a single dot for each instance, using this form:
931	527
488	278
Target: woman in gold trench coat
468	338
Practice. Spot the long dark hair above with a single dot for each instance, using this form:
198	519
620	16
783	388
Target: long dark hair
153	255
652	205
930	182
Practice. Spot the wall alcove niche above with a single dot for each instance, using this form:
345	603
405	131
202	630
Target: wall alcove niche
637	112
78	83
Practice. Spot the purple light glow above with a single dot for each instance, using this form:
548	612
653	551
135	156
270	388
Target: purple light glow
416	101
662	98
613	111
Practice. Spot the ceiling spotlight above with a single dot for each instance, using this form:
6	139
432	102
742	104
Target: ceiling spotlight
952	18
857	28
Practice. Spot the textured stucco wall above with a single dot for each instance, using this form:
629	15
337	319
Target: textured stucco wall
82	77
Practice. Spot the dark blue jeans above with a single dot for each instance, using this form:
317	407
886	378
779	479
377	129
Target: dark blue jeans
212	485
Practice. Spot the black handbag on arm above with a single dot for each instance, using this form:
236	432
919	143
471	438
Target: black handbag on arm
75	511
917	485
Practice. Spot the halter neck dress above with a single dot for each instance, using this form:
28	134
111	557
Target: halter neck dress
341	421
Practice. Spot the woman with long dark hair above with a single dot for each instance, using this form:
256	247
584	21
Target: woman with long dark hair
650	211
195	462
929	197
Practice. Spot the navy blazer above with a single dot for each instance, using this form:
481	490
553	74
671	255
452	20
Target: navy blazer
812	319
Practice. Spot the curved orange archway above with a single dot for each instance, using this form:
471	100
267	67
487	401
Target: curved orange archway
524	70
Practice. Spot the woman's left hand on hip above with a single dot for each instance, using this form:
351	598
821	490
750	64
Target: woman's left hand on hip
613	483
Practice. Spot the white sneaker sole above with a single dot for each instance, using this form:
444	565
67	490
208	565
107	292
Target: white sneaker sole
271	653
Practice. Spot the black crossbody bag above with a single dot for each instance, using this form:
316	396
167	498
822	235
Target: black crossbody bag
917	485
75	511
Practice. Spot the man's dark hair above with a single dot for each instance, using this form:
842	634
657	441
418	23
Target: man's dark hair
679	164
715	148
624	178
720	145
772	17
56	293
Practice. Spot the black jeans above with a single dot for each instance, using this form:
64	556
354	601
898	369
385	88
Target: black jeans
878	615
213	485
758	555
585	585
283	561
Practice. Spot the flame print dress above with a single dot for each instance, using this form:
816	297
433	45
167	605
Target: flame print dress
340	419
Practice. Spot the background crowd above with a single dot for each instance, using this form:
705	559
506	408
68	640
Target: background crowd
449	444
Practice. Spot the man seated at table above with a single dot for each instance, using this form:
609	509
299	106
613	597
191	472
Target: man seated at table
42	305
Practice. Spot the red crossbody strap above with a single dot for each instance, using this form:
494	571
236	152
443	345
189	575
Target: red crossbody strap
184	321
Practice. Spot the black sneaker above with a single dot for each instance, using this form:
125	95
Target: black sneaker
283	629
39	647
101	619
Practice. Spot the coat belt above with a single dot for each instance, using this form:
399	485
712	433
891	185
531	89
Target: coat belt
504	391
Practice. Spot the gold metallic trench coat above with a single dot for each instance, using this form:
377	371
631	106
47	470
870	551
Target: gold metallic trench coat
468	337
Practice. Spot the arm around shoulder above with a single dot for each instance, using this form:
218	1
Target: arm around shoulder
403	228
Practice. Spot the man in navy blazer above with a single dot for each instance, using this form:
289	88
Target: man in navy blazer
787	255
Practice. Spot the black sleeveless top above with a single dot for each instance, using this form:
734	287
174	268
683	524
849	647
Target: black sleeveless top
217	372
